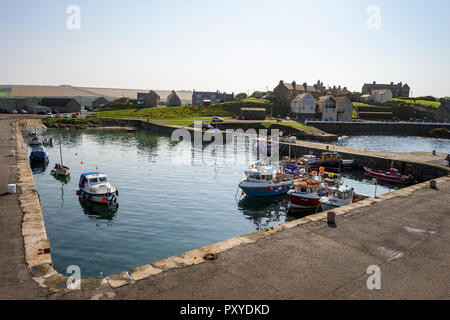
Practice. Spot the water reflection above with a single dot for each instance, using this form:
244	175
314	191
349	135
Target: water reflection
98	211
38	167
264	212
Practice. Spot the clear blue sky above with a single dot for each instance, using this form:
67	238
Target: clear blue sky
227	45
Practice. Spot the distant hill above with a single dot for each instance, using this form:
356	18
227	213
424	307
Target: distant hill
84	95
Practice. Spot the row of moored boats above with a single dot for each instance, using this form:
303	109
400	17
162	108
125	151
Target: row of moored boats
310	182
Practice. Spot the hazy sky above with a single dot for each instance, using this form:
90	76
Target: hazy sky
227	45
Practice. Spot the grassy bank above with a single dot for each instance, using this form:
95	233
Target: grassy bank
418	102
79	122
224	110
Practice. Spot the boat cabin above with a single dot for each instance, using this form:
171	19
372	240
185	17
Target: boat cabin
341	193
91	179
331	156
256	176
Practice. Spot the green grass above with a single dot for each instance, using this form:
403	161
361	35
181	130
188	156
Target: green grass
224	110
422	103
361	104
296	125
182	123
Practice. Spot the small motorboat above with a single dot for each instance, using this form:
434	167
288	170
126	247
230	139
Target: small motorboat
306	194
38	154
338	196
391	176
34	139
94	186
265	181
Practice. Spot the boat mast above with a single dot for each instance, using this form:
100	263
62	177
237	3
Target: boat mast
60	152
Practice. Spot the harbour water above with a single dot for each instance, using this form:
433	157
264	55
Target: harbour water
166	206
396	144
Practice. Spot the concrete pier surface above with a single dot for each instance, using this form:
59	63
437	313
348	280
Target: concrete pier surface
404	233
16	281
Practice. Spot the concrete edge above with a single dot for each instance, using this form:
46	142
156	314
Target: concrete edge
37	245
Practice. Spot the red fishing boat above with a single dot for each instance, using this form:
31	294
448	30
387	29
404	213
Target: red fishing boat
391	176
306	194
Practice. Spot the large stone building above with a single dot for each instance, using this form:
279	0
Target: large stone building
61	105
286	92
199	97
398	90
304	106
173	100
20	104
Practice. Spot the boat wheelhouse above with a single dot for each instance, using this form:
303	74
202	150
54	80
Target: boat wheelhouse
265	181
338	196
94	186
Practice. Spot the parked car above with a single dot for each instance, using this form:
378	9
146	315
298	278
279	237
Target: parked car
74	115
23	111
58	115
12	111
66	115
92	115
49	115
216	119
2	110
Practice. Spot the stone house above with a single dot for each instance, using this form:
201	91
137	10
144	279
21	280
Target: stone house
198	97
304	106
28	104
327	108
442	114
151	99
398	90
286	92
99	102
61	105
344	109
173	100
382	95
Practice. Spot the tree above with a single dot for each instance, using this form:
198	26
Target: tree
241	96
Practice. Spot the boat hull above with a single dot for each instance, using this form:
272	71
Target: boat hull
303	201
107	199
266	190
383	177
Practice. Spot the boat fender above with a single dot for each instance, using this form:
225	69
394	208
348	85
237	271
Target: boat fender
77	192
117	192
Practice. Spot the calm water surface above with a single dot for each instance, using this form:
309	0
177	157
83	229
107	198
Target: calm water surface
396	144
166	206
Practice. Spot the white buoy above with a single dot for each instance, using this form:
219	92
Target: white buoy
11	188
12	153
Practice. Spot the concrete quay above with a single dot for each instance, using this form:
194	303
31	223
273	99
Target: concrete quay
405	233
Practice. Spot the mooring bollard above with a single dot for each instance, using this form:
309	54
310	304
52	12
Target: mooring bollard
11	188
434	152
13	137
433	184
331	217
12	153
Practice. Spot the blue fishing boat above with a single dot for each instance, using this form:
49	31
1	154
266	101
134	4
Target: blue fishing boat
38	155
266	181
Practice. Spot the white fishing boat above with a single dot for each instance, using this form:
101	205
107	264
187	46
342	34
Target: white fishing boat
94	186
338	196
